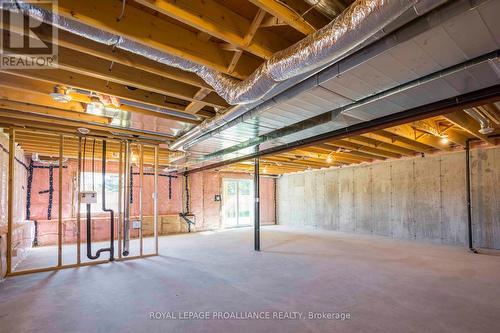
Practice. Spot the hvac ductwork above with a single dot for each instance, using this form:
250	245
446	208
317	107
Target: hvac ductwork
297	85
354	26
486	127
329	8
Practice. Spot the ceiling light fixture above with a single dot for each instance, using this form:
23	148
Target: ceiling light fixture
444	139
83	130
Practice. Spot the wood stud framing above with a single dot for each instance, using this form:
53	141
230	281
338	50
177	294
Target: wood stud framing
59	144
214	33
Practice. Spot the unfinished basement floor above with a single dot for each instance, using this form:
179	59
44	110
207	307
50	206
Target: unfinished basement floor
385	286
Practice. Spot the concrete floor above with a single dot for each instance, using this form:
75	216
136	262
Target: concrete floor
385	286
46	256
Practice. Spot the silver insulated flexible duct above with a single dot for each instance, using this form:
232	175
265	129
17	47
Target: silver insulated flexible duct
350	29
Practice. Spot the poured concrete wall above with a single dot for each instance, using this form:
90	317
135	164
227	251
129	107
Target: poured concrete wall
420	198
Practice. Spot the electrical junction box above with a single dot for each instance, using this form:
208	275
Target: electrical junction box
136	224
88	197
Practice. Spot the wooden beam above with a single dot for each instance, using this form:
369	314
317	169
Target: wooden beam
409	132
272	21
58	76
196	106
84	64
81	63
48	143
286	14
282	160
491	111
116	55
455	136
50	111
302	160
34	97
148	29
315	161
270	168
467	123
254	26
388	137
358	147
309	13
358	154
32	90
203	36
219	21
381	145
342	157
20	119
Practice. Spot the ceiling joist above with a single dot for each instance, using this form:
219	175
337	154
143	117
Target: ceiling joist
148	29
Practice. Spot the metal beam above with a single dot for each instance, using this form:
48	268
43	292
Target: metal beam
469	203
10	199
256	180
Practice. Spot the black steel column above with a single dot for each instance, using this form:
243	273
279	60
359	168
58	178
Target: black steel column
257	206
469	205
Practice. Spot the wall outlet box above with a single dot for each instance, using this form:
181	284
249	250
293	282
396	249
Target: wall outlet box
136	224
88	197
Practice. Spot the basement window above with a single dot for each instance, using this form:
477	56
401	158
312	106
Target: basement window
112	196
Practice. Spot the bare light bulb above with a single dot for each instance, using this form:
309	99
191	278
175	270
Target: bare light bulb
444	139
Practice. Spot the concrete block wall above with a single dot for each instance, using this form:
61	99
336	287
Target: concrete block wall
421	198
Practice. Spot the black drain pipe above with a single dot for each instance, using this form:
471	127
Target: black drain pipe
111	248
469	204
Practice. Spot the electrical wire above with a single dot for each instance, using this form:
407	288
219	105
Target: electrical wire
122	12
